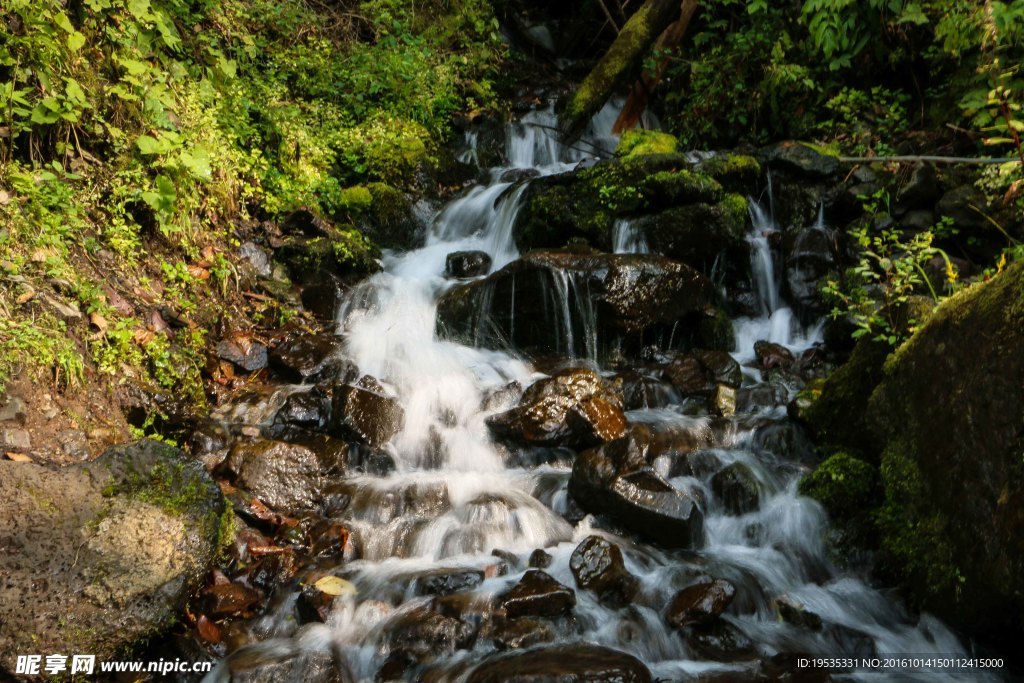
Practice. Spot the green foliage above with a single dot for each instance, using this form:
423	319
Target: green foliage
876	293
130	127
865	122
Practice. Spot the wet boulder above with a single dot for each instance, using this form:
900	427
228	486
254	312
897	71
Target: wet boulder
310	410
575	407
314	358
517	634
446	581
809	257
699	603
285	476
425	634
584	204
697	234
467	264
324	296
598	566
579	304
771	355
538	595
244	352
737	488
99	555
799	158
570	663
720	641
614	480
367	412
698	372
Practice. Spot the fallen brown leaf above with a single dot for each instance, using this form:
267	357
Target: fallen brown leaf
19	457
26	297
208	630
99	321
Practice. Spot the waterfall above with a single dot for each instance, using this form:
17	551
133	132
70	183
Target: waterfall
454	498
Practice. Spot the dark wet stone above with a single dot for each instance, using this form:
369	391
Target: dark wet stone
517	634
570	663
425	634
700	603
467	264
285	476
324	297
540	559
800	158
575	407
445	582
315	667
598	566
248	354
311	359
793	612
309	410
538	595
98	555
771	355
737	488
364	411
624	299
517	175
615	480
720	641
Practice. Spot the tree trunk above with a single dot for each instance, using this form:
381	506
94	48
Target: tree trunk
636	104
619	64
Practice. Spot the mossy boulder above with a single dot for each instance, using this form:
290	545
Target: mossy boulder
697	233
686	213
640	142
347	254
389	220
735	172
100	555
848	488
836	412
949	413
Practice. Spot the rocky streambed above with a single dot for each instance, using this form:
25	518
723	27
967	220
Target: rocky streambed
512	460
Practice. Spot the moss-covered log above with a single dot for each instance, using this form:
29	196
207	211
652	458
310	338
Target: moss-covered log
620	63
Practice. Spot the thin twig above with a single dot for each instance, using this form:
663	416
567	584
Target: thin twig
933	159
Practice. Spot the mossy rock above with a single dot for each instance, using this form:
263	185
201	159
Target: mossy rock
735	172
105	553
949	412
848	488
837	415
640	142
585	205
346	253
697	233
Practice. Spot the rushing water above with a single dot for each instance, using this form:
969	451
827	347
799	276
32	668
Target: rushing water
453	499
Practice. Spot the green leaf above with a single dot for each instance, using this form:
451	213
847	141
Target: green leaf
149	145
75	93
62	21
133	66
197	162
75	41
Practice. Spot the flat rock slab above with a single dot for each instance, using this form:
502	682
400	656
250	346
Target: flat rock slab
96	556
575	663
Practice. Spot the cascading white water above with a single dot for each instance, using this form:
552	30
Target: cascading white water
453	500
777	322
626	239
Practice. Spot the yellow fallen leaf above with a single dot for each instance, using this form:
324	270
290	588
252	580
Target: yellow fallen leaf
99	321
26	297
19	457
332	585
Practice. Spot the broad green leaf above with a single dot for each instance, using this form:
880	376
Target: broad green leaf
133	66
149	145
75	93
62	20
197	162
75	41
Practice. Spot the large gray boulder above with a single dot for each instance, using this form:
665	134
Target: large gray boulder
97	556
